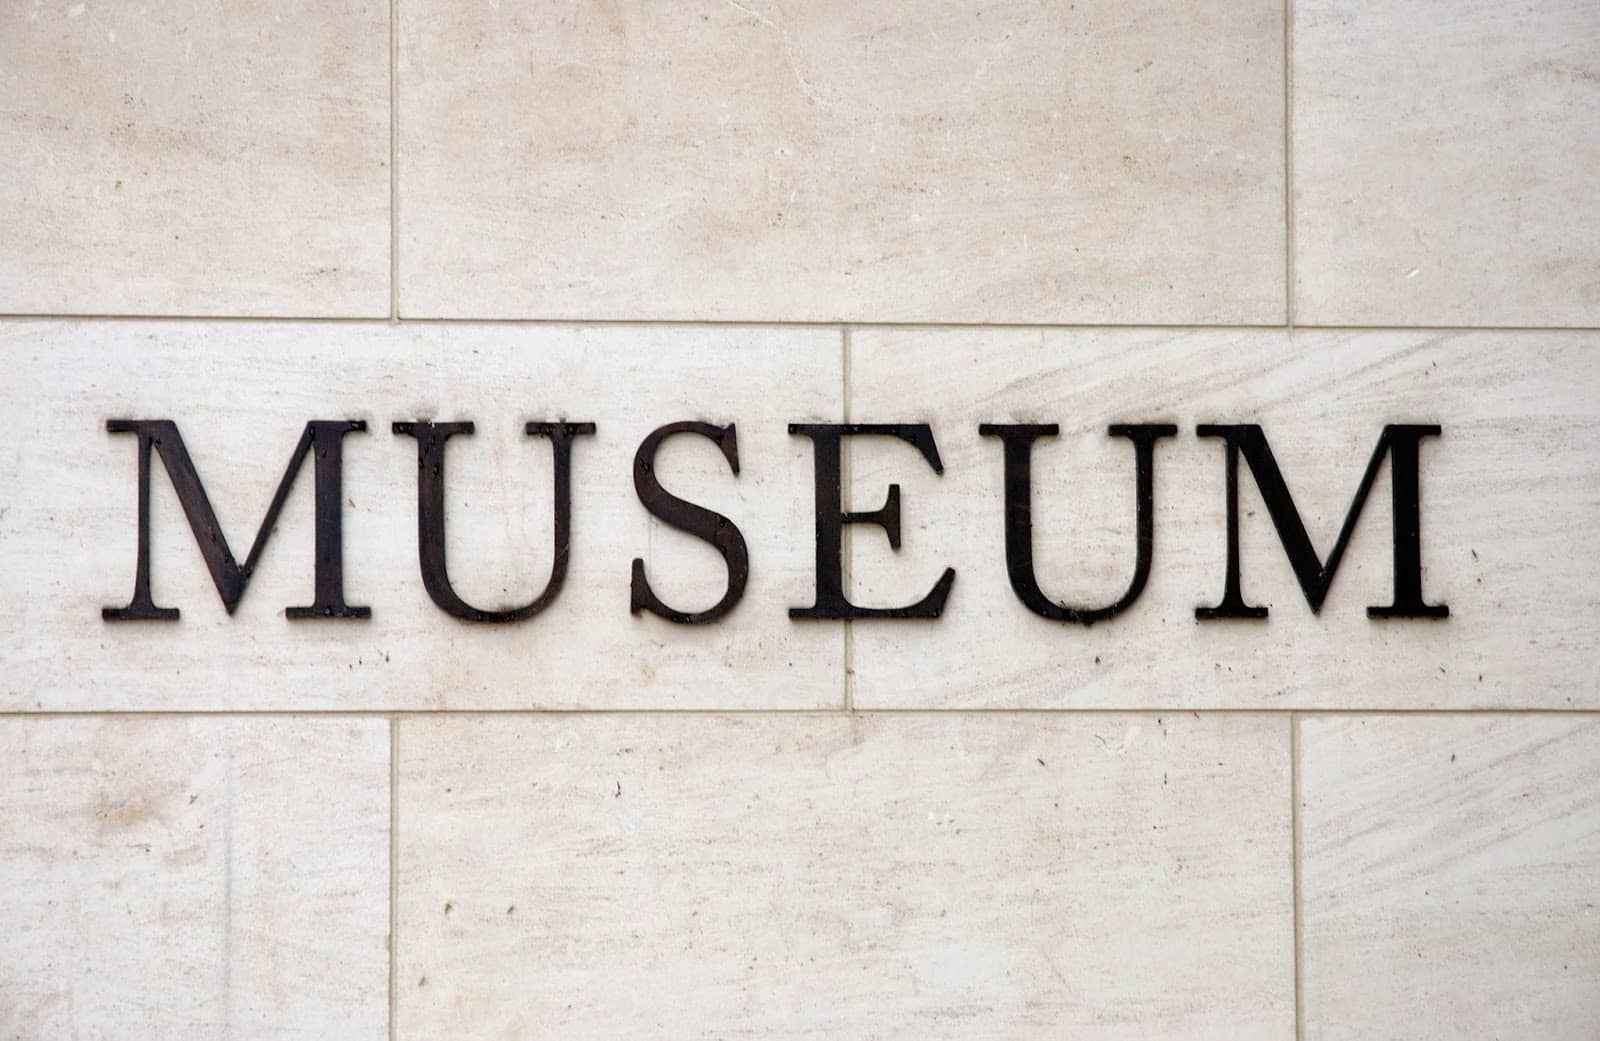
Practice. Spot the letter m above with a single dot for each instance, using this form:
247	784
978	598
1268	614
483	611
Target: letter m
324	437
1400	444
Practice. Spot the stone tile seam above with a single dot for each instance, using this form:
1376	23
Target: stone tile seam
1288	164
1296	858
848	542
394	873
819	325
394	161
757	713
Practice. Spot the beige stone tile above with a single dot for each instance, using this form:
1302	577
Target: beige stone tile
1444	158
1451	878
827	876
241	394
1105	161
194	159
1510	519
207	879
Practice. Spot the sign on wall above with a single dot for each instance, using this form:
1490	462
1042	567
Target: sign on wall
245	516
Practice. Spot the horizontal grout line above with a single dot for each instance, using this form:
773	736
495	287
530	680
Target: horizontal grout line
816	324
670	323
804	713
237	318
1300	326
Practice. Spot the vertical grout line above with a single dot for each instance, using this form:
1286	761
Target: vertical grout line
1288	164
1296	847
849	542
394	162
394	870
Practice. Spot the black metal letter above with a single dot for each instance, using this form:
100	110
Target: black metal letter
431	438
1400	442
826	439
325	436
1018	441
698	521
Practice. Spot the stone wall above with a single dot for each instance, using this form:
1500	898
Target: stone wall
1324	219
